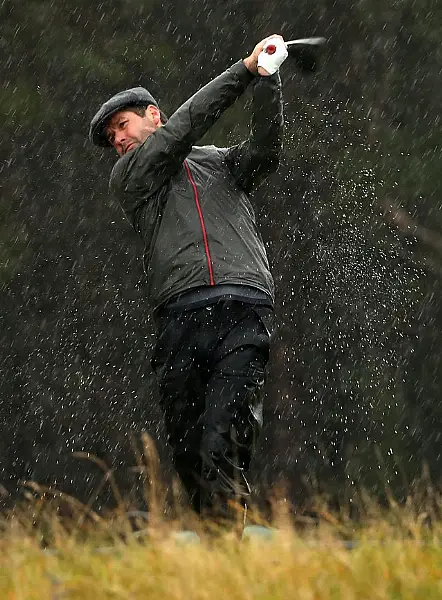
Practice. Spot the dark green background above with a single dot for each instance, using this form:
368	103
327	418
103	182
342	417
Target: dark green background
352	222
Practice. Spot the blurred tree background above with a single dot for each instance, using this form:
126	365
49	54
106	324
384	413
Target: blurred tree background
352	222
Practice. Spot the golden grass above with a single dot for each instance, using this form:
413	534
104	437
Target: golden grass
396	554
309	566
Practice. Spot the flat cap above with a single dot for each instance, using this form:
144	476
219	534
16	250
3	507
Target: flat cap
137	96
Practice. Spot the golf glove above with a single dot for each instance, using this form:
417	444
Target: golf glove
271	61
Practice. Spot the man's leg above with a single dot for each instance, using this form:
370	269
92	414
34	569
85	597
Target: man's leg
233	416
181	397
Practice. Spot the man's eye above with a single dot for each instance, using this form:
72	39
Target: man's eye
122	124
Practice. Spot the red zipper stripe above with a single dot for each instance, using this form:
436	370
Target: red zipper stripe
203	227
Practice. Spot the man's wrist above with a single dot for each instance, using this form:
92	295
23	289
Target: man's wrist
251	65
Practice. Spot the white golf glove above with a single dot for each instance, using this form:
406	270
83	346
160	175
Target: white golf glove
272	61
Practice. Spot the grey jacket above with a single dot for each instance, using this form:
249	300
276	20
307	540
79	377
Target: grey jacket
190	203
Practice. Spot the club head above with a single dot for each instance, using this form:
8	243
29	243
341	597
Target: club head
306	52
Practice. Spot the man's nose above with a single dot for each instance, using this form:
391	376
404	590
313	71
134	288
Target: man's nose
120	137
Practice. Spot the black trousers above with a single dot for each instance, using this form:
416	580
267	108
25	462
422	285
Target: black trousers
210	363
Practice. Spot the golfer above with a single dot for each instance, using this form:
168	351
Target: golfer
210	290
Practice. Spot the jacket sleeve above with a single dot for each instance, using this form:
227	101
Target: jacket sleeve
254	159
139	174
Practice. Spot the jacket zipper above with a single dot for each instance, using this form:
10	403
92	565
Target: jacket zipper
203	227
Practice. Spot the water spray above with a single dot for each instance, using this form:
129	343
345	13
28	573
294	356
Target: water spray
306	52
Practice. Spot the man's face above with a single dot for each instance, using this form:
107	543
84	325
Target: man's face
126	130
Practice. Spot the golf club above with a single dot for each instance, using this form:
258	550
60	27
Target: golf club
305	51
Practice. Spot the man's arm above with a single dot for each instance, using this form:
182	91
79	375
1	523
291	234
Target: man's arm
161	155
253	160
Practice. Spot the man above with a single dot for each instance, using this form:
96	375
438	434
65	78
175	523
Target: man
209	285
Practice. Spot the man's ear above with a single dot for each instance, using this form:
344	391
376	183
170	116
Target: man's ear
155	114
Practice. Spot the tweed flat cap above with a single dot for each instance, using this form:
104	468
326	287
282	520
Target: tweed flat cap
137	96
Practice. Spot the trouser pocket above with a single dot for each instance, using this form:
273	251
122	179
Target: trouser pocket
267	316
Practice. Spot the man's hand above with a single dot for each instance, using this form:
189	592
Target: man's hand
251	62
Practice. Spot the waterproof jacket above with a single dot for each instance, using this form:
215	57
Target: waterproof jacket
190	203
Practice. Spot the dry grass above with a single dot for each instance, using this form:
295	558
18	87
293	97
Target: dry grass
314	565
396	554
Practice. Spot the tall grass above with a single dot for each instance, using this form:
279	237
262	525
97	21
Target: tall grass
392	552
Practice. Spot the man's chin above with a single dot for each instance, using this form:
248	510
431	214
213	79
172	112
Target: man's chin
130	147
